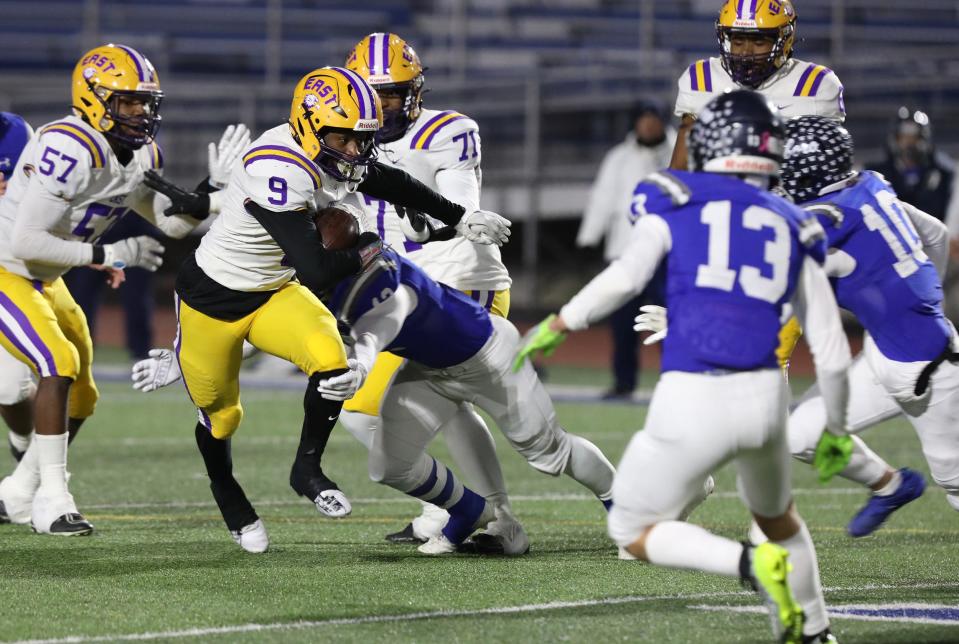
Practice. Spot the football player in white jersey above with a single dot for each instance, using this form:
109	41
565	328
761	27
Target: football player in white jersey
257	271
74	178
756	40
442	149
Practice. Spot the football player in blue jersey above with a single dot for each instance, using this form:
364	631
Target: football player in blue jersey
885	261
735	255
17	386
455	352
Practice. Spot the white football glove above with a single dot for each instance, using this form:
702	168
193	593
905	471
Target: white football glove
224	154
484	227
345	385
652	319
157	371
134	252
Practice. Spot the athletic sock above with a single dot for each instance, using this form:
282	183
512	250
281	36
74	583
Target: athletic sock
52	463
440	487
683	545
236	509
865	466
804	580
26	476
319	418
472	448
589	466
890	487
20	443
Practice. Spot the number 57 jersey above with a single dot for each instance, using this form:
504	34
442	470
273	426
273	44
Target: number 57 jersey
734	260
74	166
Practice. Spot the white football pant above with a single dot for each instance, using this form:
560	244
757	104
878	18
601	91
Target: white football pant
422	400
880	389
16	380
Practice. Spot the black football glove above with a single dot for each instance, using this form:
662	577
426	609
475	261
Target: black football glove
194	204
369	246
420	223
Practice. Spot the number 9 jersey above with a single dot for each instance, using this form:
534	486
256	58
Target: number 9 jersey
734	257
74	166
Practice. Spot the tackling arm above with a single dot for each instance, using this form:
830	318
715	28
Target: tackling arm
934	236
679	162
39	213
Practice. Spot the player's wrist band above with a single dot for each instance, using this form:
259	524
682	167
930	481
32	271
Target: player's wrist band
99	255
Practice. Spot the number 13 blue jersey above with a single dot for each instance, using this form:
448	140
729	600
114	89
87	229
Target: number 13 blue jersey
894	289
734	262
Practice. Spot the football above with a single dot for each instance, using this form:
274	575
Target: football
338	229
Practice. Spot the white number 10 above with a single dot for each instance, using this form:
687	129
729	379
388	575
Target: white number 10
716	273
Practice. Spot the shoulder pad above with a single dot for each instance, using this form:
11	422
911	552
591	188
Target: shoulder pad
359	294
697	77
441	127
75	138
278	158
659	193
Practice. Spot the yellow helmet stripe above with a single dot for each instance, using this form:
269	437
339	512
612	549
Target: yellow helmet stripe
286	155
810	80
157	156
81	136
422	140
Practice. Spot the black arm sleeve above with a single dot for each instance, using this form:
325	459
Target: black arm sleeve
397	187
316	267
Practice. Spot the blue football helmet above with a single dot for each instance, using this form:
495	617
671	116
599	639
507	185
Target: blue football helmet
819	153
738	132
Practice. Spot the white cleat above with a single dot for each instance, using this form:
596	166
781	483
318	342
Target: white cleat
437	545
333	503
15	503
252	538
430	522
58	515
708	486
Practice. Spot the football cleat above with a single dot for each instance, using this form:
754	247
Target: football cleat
825	637
15	451
406	535
708	486
252	538
503	536
57	515
441	544
879	508
765	568
625	555
323	492
15	503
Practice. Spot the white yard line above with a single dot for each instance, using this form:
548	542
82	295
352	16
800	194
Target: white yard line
840	612
855	491
439	614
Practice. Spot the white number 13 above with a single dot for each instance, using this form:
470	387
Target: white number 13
716	272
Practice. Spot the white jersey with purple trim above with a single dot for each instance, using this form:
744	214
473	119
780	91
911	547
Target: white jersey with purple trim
442	149
797	88
74	162
237	252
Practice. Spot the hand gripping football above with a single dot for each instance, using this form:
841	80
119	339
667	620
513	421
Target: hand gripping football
338	229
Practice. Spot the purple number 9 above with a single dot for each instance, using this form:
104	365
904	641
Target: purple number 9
277	187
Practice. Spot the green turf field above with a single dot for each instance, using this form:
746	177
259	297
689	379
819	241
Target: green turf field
162	566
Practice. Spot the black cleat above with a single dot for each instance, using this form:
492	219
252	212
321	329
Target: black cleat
404	536
71	525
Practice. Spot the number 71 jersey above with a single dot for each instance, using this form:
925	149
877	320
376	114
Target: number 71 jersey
734	260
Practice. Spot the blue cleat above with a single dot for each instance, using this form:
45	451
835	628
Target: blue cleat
878	508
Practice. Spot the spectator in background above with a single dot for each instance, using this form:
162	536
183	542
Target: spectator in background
647	148
920	175
136	293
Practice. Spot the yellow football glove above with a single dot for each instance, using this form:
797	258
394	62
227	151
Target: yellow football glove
832	455
538	339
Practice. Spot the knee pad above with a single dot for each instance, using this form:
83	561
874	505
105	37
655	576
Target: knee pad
83	398
360	426
548	451
223	422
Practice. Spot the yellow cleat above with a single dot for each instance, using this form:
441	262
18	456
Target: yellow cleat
769	569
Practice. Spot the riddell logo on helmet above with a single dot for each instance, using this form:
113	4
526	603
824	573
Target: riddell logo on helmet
378	79
748	24
745	164
367	125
